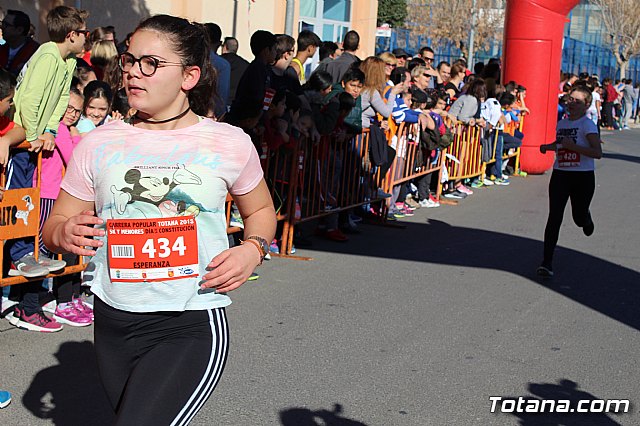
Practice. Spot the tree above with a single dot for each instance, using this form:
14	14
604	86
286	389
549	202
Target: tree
450	21
622	20
392	12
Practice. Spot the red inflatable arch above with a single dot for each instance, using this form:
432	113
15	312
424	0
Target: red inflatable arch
532	57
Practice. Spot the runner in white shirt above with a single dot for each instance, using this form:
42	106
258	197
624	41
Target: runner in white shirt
161	267
577	144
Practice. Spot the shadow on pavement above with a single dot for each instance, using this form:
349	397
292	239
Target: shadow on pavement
565	390
606	287
70	393
307	417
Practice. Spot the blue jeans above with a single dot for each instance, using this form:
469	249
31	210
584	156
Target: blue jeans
20	175
505	142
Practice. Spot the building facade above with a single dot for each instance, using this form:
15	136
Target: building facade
330	19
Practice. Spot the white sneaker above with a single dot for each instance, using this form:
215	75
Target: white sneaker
8	308
428	203
487	182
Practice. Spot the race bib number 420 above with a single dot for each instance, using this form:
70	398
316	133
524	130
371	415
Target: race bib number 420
142	250
568	158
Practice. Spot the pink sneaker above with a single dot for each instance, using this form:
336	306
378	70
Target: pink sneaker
83	307
70	315
464	189
36	322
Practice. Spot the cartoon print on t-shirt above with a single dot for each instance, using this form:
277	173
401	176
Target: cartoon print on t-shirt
152	190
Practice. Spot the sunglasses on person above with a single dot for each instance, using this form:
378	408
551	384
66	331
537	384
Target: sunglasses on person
428	59
426	75
390	65
148	64
85	32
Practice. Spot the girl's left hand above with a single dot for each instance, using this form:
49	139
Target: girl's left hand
231	268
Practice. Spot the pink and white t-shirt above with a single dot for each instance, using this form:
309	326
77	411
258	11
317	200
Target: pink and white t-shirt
133	173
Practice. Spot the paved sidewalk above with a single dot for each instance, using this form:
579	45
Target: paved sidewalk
407	327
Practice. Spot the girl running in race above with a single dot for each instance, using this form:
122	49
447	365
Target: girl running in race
577	144
146	200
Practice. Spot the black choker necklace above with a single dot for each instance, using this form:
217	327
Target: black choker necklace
177	117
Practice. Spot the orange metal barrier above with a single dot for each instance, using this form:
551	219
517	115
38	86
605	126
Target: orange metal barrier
20	218
466	151
411	161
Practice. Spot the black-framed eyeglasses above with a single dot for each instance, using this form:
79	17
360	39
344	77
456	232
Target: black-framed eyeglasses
148	64
74	111
85	32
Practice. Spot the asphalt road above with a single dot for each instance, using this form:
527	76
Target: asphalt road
415	326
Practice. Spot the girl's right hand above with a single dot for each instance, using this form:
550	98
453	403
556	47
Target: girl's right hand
77	231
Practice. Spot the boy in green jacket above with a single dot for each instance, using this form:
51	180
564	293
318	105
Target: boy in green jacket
41	98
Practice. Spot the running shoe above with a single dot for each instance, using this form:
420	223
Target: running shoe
456	195
5	398
464	189
66	313
409	201
273	248
477	183
8	306
407	212
487	182
35	322
83	307
28	267
52	265
429	203
589	227
254	276
502	182
545	271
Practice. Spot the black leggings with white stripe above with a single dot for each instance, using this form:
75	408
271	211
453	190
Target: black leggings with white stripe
159	368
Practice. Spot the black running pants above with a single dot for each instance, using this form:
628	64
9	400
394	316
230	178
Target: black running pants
578	187
159	368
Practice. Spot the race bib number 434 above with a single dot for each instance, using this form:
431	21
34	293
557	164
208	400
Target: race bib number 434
142	250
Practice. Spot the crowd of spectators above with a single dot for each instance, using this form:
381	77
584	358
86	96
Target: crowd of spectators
292	89
614	104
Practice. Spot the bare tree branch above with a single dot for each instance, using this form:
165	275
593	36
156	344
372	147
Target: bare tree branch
621	18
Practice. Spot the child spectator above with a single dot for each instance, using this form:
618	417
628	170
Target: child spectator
308	43
425	103
256	80
275	126
42	96
71	309
97	106
84	75
492	113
